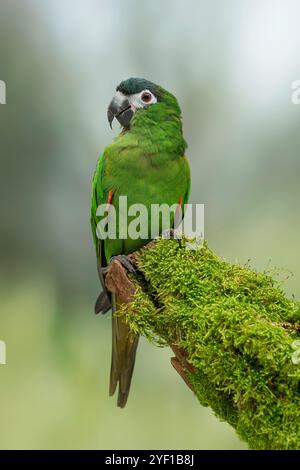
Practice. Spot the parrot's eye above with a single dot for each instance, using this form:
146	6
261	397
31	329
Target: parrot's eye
146	97
142	99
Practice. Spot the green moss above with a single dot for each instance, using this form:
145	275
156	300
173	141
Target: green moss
239	330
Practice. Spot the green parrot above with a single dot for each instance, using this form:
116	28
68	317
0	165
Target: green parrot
146	163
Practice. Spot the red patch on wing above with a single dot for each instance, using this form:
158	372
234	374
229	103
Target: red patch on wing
178	208
109	199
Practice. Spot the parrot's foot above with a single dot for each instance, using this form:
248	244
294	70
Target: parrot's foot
172	234
125	261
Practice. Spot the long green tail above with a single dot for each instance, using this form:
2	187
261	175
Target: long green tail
124	346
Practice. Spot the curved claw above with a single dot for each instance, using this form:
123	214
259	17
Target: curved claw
125	261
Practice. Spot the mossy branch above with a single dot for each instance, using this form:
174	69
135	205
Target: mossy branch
235	335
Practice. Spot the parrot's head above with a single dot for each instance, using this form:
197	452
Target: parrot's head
135	96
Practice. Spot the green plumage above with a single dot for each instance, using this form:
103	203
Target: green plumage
146	163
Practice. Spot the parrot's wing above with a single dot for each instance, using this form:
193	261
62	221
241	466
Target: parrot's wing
124	342
187	173
97	198
184	197
103	303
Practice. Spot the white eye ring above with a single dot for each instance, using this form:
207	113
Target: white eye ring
146	96
142	99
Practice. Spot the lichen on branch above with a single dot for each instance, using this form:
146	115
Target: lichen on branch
239	333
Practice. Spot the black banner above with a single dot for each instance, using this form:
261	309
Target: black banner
150	458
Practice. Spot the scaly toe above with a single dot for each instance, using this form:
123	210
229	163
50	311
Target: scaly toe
125	261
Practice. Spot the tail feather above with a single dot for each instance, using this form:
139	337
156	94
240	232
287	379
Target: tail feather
103	303
124	346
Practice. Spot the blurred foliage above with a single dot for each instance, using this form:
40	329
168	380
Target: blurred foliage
54	388
231	65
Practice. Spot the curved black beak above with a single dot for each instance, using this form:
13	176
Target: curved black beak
120	109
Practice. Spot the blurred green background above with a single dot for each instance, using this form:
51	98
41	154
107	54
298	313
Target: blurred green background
231	65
